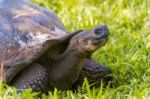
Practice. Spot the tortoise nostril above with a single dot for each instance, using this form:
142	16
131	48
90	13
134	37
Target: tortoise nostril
98	31
102	31
105	30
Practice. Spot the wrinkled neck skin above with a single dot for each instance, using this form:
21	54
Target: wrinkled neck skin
65	68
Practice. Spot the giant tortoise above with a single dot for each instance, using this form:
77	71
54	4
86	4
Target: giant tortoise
38	52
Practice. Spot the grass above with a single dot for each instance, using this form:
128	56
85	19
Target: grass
127	52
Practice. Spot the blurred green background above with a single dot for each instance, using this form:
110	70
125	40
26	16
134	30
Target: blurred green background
127	52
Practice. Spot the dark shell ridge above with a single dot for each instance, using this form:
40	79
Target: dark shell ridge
23	30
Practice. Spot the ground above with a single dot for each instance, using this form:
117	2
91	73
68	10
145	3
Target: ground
127	52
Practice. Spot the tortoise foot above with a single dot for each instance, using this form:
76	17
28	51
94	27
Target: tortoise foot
95	73
34	77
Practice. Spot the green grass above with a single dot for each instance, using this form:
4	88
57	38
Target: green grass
127	52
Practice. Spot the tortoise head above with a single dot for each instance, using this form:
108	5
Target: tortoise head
89	40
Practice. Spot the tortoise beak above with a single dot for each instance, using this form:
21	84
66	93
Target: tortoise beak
102	34
101	31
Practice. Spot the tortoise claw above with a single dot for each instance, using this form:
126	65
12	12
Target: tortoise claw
95	73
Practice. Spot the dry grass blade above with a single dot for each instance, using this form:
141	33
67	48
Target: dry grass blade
1	72
1	69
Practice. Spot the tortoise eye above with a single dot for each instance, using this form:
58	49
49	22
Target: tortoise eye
98	31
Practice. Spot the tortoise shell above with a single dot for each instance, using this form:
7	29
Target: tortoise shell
24	28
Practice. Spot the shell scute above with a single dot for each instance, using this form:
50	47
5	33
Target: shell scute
23	30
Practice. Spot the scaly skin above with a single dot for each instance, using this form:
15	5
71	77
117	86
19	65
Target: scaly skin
37	78
94	72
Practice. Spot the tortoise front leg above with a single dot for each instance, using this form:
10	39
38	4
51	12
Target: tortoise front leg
94	72
34	76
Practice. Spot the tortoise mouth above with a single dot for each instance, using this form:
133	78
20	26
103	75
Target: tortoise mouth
100	41
102	34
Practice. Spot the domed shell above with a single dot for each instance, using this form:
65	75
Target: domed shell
24	28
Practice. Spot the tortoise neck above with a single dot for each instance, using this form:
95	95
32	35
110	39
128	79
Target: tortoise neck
66	69
69	52
73	52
